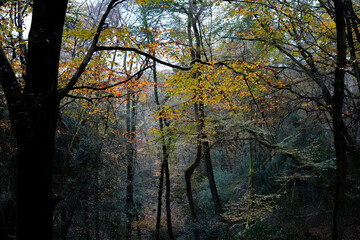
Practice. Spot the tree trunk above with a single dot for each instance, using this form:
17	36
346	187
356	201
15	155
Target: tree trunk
130	150
208	164
202	143
97	169
167	197
251	186
159	206
164	168
338	126
34	115
36	145
188	173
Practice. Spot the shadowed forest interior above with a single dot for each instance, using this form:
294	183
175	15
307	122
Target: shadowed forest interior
179	119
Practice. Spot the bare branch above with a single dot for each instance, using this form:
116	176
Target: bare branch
90	99
138	74
135	50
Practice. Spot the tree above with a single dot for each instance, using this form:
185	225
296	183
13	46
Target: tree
131	102
338	125
203	144
164	165
304	33
34	113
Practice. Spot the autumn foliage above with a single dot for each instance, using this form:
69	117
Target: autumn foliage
183	119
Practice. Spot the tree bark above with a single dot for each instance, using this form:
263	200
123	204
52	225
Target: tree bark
338	126
34	115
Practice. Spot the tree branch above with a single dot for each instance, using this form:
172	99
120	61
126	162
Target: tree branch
63	92
9	82
138	74
135	50
89	99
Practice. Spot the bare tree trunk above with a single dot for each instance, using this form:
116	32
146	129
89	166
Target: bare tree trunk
188	173
251	185
210	176
164	169
34	116
338	126
159	199
167	197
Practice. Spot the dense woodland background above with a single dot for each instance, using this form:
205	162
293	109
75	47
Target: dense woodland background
196	119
